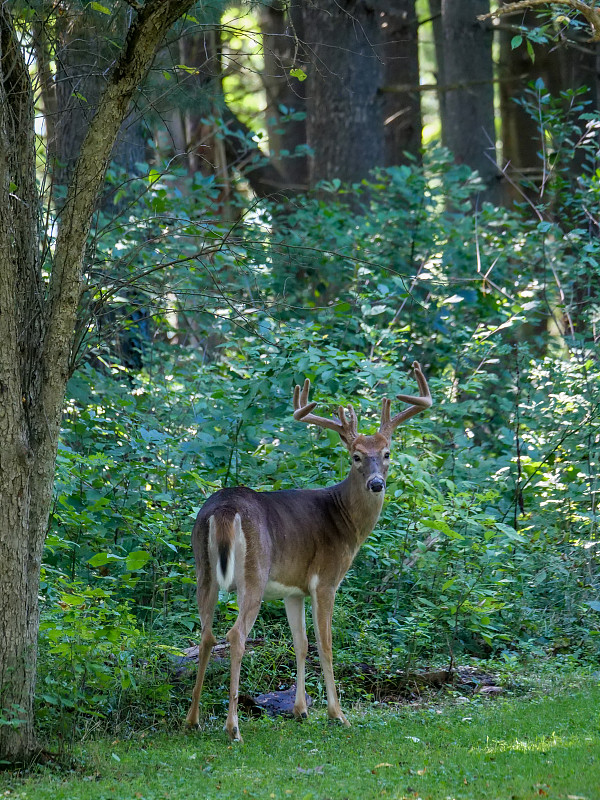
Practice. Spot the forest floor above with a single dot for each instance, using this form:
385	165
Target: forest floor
541	743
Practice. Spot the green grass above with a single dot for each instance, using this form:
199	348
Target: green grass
493	749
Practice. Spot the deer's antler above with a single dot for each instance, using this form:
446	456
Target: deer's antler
389	424
346	425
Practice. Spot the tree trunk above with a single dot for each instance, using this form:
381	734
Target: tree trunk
85	49
205	132
401	110
37	326
203	99
21	503
282	32
469	118
435	12
343	102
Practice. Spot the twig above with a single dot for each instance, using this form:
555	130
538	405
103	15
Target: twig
591	14
428	544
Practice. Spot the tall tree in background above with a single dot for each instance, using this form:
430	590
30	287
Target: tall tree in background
343	102
82	47
283	37
37	324
468	110
361	97
402	100
435	14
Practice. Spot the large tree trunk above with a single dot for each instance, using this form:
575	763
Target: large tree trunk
21	497
401	109
344	104
37	324
469	107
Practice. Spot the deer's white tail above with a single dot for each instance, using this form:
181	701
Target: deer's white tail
224	531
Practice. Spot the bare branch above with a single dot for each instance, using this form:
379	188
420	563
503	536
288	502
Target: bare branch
592	14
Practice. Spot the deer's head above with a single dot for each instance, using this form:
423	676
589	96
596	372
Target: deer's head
370	455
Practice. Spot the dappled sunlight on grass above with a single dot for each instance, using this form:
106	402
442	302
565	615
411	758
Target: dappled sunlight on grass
541	744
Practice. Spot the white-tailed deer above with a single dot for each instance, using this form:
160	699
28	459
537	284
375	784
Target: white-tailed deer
292	544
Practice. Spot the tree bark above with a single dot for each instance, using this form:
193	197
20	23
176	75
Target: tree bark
344	105
469	111
37	324
20	335
401	110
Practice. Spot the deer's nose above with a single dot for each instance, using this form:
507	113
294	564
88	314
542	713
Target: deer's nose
376	484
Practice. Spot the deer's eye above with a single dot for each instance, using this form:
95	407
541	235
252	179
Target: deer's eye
386	454
356	458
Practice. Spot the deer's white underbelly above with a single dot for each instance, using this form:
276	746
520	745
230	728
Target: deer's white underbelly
277	591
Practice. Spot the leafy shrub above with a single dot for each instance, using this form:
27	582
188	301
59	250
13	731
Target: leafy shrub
487	542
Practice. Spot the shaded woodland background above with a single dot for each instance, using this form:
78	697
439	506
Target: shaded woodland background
327	190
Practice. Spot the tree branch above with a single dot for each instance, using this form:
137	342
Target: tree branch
264	178
144	36
591	13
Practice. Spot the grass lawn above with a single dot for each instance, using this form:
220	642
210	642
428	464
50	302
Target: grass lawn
493	749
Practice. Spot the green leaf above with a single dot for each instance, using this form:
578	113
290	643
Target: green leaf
516	41
189	70
593	604
100	559
137	559
72	599
99	7
511	533
298	73
449	583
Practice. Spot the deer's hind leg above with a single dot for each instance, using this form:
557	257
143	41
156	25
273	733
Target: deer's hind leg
249	605
207	593
250	579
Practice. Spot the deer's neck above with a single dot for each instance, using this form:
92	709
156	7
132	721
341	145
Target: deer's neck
359	507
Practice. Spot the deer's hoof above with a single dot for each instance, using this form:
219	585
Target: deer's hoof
234	735
339	719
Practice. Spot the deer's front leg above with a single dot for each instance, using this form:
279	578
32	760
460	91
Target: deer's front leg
322	605
294	608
